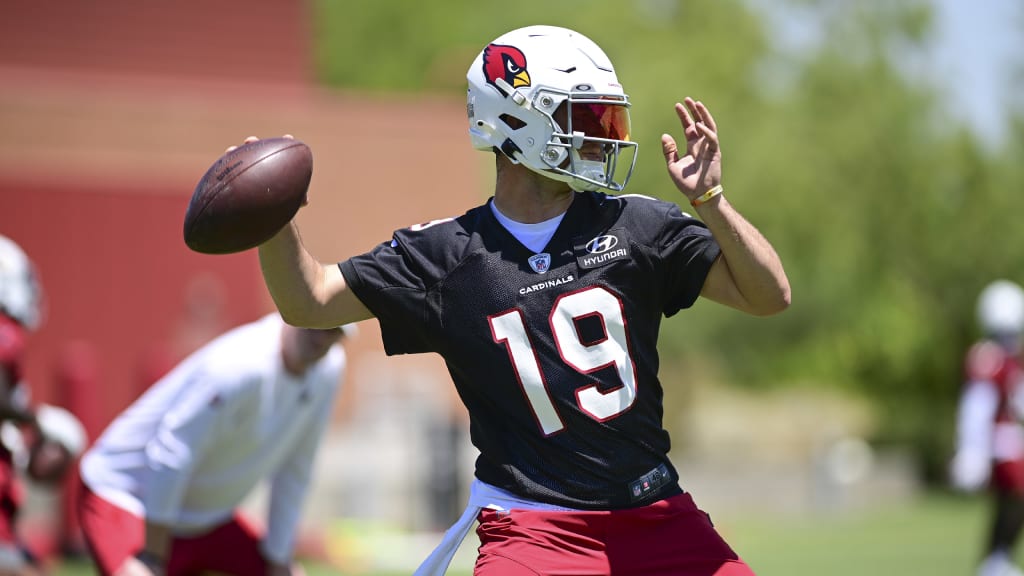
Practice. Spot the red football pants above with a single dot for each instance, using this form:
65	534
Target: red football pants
12	493
113	534
1008	476
670	537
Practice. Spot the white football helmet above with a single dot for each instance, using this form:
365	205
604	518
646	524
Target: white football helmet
58	425
1001	308
20	294
543	94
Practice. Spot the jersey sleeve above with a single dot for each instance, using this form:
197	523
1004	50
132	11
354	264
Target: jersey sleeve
687	250
387	283
399	280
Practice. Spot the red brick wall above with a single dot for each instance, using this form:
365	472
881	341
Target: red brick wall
111	110
265	40
118	278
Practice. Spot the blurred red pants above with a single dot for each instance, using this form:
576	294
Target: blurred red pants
12	493
1008	476
113	534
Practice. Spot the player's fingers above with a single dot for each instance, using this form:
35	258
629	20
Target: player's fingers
705	115
701	153
247	140
690	120
691	108
710	136
684	116
694	111
669	149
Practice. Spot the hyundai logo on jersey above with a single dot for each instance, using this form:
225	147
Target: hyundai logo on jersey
540	263
602	244
602	250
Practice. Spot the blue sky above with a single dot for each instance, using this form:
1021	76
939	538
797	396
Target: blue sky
978	41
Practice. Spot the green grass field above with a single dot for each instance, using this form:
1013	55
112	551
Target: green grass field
938	535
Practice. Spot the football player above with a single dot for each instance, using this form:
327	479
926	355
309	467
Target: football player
546	302
990	436
20	313
162	484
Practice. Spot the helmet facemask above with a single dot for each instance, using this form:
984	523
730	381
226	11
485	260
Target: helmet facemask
590	134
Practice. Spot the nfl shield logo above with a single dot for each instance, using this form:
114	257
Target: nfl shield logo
540	262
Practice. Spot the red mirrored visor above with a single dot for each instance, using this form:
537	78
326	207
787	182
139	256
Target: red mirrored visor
598	120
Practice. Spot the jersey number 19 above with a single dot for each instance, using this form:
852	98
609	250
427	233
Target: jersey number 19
584	357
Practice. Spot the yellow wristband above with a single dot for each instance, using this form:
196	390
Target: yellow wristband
714	191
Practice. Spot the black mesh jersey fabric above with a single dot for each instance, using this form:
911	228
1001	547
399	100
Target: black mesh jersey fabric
555	353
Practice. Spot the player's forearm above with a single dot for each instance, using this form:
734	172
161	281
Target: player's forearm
293	276
285	509
287	495
976	416
306	292
753	262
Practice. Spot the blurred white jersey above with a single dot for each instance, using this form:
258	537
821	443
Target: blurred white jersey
190	449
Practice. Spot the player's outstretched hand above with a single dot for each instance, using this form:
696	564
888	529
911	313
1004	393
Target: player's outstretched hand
698	168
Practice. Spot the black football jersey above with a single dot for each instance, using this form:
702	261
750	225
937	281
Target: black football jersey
555	353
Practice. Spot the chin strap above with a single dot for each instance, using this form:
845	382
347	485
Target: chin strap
510	149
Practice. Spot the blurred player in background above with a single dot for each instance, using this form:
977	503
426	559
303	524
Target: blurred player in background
162	485
546	303
44	453
38	442
990	436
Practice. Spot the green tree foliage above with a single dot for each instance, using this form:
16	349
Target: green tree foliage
889	216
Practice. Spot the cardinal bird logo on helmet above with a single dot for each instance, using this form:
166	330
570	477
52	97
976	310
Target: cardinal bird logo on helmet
507	63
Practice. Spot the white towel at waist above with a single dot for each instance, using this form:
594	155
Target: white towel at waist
481	495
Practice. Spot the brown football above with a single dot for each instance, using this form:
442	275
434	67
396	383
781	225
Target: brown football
248	195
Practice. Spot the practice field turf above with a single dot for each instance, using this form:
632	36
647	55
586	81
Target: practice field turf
938	535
